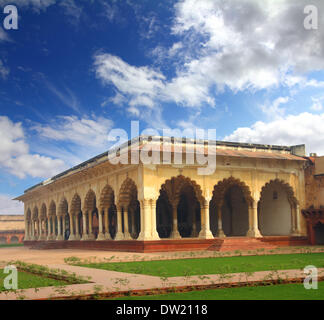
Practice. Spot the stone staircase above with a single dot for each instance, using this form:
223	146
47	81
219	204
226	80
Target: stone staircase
246	243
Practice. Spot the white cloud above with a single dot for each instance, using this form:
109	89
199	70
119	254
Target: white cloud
273	110
9	206
304	128
317	104
235	44
15	156
86	132
72	9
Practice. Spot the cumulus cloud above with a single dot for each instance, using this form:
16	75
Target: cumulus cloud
235	44
16	158
305	128
86	132
9	206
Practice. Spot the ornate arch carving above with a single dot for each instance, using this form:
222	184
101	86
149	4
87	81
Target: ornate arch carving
173	187
90	200
127	192
75	204
63	207
222	187
107	197
286	186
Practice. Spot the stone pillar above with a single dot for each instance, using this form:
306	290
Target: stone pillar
49	232
119	233
77	231
26	230
72	230
59	227
106	220
155	235
253	221
101	235
127	235
192	209
85	235
53	237
205	232
145	214
91	235
38	230
293	231
220	231
175	232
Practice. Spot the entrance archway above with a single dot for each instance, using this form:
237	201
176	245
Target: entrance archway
178	210
229	208
276	209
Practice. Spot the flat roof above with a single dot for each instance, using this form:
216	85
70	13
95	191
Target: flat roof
224	148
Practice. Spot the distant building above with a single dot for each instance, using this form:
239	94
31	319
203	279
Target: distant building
12	229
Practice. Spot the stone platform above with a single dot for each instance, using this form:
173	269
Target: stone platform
163	245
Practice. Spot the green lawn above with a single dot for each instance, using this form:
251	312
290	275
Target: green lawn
11	245
273	292
183	267
28	280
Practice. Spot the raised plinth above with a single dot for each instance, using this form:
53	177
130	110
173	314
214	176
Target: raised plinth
163	245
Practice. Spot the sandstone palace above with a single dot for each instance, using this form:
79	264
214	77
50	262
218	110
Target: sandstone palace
258	196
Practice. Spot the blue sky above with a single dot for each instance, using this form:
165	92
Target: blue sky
74	70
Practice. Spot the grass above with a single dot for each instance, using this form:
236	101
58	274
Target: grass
27	280
201	266
273	292
8	245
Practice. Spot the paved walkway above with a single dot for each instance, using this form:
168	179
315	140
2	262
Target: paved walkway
104	281
46	257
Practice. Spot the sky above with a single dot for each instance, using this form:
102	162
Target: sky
76	69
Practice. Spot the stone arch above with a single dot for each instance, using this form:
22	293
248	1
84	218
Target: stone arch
222	186
130	209
35	213
91	213
229	208
75	207
174	186
107	197
178	210
53	222
108	212
277	209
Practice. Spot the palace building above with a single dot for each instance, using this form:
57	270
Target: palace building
256	197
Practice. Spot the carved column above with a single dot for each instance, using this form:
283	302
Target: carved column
175	232
59	227
91	235
101	235
127	235
146	233
253	220
119	233
72	235
77	230
85	235
293	208
49	232
205	232
155	235
106	219
220	231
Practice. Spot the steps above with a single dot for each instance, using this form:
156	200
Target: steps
242	244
